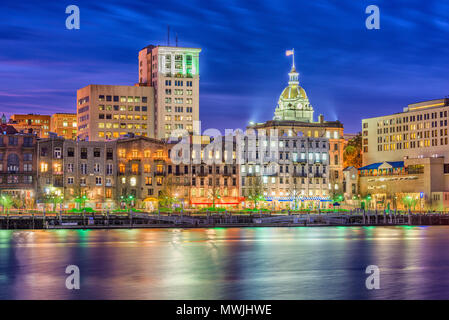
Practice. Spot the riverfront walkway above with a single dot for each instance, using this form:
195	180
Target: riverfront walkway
205	220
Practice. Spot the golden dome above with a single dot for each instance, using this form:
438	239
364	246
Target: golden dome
293	92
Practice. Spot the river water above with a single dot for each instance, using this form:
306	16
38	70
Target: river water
226	263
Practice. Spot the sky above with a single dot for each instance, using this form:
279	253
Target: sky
348	71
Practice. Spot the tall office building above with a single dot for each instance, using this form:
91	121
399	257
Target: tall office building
405	157
107	112
419	131
174	74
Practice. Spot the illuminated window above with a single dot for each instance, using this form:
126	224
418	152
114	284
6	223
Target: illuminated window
44	167
133	181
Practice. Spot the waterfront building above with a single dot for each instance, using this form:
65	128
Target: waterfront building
76	173
416	142
292	171
17	165
173	72
64	125
35	123
211	177
293	117
106	112
142	170
418	184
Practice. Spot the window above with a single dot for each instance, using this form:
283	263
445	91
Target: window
96	152
44	167
109	154
83	168
70	180
109	167
98	181
83	153
70	167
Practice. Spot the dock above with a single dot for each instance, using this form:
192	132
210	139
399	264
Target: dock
210	220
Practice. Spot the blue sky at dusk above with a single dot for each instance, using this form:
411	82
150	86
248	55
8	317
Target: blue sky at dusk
348	72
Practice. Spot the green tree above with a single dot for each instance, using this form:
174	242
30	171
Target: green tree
6	201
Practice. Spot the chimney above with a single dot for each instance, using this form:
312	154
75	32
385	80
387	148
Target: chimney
321	118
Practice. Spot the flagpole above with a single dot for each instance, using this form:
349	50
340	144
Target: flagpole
293	50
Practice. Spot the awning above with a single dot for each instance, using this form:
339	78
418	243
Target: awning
150	199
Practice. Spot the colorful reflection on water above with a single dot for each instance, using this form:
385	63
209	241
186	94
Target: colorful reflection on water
220	263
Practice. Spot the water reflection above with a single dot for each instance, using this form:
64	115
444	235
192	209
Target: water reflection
235	263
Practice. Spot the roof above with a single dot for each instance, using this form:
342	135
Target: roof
393	164
7	129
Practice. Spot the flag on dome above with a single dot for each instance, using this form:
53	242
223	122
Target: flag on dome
289	52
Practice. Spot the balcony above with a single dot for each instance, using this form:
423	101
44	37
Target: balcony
160	173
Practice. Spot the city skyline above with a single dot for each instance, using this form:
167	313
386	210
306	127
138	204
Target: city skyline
339	73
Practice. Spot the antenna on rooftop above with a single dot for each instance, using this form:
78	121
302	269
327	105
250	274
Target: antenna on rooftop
176	39
168	35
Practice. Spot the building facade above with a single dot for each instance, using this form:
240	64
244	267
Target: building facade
64	125
416	184
421	130
142	170
416	142
73	170
294	118
173	72
292	171
106	112
31	123
18	166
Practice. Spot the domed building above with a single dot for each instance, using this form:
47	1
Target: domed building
294	125
293	103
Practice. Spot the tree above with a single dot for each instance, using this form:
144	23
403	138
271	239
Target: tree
409	202
6	202
255	191
352	155
167	196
